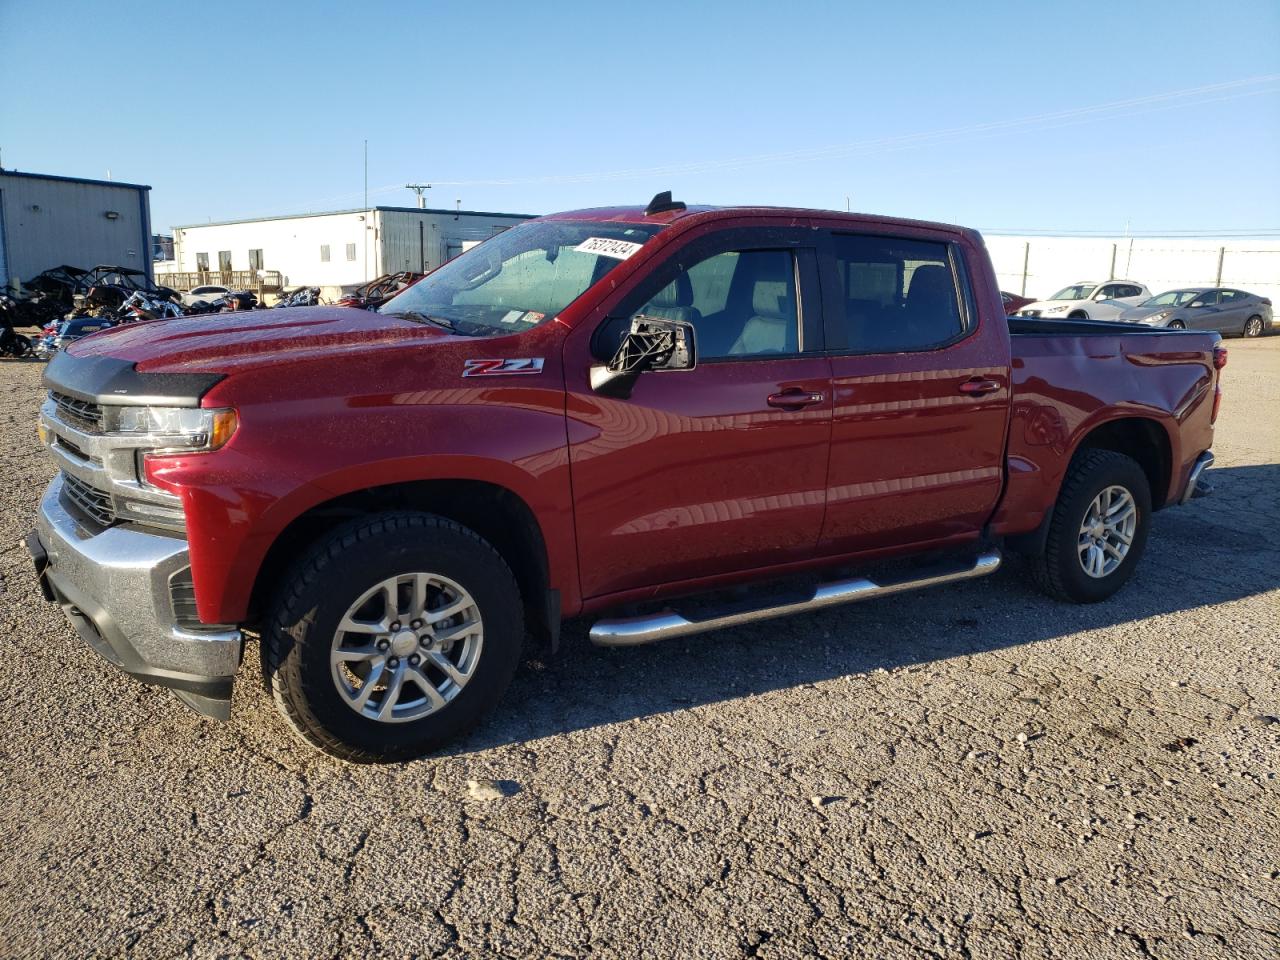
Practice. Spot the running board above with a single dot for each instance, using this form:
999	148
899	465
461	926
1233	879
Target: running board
633	631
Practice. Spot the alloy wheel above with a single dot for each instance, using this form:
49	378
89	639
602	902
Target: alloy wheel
406	647
1107	531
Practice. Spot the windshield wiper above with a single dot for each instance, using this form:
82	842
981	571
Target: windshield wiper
417	317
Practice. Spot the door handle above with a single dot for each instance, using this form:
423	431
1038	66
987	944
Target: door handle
977	386
794	399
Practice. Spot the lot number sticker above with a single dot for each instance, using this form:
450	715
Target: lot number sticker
618	249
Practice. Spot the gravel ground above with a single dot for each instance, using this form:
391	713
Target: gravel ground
974	771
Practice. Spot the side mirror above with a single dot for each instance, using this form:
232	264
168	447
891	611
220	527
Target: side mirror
652	344
1100	296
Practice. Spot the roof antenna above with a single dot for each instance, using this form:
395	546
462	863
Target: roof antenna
661	203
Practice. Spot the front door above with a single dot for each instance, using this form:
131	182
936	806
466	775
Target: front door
721	468
921	395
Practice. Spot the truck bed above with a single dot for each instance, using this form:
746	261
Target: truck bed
1068	377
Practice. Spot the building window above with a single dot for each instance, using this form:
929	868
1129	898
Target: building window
351	251
255	259
224	261
324	253
202	262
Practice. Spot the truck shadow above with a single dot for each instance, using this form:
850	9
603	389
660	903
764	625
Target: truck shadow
1212	551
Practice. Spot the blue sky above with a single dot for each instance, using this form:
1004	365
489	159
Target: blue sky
1051	116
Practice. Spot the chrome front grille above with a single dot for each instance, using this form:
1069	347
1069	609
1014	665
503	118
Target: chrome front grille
89	500
81	414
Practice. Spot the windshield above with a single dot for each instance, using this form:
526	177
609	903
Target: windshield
1079	291
1174	298
520	278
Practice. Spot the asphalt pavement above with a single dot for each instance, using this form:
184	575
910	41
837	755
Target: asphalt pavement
974	771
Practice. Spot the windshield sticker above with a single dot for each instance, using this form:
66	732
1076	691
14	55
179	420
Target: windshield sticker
497	368
618	249
528	317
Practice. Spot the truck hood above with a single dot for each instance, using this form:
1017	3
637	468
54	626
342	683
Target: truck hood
229	342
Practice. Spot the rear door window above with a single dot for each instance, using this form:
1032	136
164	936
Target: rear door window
890	295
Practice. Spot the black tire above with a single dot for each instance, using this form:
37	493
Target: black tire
332	575
1058	570
1177	325
1253	326
1077	315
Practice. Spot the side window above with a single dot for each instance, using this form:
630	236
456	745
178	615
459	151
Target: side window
742	303
1131	291
892	295
1207	299
1227	296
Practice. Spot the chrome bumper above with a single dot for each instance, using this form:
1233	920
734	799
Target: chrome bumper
113	585
1194	488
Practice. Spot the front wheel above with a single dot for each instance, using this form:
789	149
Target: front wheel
1177	325
393	637
1098	529
1253	327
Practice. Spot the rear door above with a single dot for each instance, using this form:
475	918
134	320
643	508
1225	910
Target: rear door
718	469
1233	307
921	388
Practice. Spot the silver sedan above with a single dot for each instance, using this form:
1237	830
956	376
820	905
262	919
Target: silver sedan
1205	308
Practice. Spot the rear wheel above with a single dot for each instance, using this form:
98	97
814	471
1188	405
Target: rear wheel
1098	529
393	637
1253	327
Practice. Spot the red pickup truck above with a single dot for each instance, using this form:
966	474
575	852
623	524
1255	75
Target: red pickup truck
614	414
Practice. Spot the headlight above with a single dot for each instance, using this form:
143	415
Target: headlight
1155	317
175	429
1062	309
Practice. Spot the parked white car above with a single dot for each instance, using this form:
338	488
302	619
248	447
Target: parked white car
206	293
1089	300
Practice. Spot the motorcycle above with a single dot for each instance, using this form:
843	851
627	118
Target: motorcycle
140	306
302	297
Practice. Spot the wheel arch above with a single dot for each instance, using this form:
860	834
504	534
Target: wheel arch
497	514
1145	440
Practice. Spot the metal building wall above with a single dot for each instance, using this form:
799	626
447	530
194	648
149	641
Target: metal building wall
420	240
49	221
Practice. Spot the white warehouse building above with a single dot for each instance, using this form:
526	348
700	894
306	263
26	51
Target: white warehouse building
338	250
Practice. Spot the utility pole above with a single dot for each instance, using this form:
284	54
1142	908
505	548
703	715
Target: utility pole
365	218
420	189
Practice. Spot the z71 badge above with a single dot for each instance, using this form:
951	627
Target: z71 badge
498	368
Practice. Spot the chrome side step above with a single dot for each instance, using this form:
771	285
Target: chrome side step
633	631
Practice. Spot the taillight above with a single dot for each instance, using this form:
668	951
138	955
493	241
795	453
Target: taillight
1219	357
1267	301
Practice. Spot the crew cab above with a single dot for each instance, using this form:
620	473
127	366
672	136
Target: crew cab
612	414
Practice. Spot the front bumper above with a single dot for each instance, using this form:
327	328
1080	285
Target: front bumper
114	586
